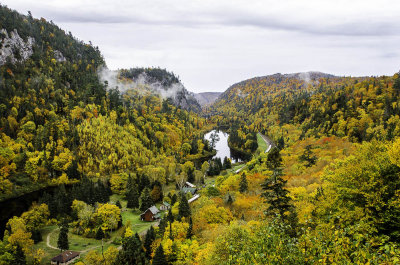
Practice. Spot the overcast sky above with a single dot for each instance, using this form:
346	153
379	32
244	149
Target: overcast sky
213	44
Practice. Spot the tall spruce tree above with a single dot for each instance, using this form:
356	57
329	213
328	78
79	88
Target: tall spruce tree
148	240
161	227
145	200
227	163
189	233
274	159
229	201
174	198
159	257
308	156
99	234
243	186
190	175
132	252
62	242
276	195
184	208
132	197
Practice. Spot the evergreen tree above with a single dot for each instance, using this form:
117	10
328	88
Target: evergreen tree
281	142
62	201
18	257
159	257
243	186
184	208
145	200
129	183
144	182
132	252
62	242
274	159
118	204
190	175
36	236
148	240
189	233
174	198
276	195
229	201
227	163
170	216
308	156
132	197
162	226
99	234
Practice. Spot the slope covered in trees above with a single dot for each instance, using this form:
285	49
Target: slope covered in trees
359	108
59	120
327	194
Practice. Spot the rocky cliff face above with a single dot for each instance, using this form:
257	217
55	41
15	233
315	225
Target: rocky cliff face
13	48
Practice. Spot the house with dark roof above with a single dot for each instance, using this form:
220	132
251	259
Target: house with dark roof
67	257
151	214
165	206
189	185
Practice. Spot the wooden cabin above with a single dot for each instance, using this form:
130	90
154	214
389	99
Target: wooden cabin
67	257
150	214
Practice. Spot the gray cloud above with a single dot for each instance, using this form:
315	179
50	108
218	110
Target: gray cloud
232	18
212	44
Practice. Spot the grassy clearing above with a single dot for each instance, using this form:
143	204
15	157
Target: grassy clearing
80	243
49	252
262	145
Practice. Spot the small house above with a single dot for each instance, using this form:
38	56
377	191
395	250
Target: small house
189	185
195	197
67	257
165	206
150	214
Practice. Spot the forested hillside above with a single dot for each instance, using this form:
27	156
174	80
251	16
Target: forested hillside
60	121
358	108
114	164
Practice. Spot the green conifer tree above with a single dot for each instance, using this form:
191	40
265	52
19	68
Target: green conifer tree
276	195
132	252
132	197
243	186
148	240
159	257
99	234
189	233
184	208
145	200
62	242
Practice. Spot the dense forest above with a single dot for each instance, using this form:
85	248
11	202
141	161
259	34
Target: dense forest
319	185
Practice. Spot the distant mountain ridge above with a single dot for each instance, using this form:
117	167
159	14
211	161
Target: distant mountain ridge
164	83
207	98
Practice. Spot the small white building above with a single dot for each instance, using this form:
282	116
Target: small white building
189	185
165	206
195	197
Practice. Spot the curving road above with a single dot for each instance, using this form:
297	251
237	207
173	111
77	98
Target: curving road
268	141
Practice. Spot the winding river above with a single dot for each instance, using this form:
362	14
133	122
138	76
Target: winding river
222	147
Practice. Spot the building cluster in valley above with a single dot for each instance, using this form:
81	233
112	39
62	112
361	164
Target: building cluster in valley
153	213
